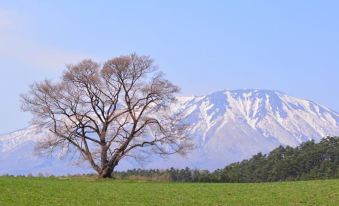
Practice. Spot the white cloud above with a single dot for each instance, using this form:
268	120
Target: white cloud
14	45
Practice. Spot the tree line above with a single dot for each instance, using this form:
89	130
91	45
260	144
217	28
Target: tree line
308	161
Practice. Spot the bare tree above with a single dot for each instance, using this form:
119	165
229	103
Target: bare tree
108	112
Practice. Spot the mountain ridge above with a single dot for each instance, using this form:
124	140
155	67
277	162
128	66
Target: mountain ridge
227	126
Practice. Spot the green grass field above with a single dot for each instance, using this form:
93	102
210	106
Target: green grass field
58	191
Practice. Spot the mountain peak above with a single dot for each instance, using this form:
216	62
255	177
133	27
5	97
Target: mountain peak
249	92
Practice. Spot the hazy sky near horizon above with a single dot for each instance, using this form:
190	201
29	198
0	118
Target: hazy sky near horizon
202	46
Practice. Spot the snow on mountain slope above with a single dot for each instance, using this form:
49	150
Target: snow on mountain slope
230	126
227	126
18	156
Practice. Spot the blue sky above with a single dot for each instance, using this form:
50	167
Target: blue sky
202	46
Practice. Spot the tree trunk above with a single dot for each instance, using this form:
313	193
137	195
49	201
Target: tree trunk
106	168
106	172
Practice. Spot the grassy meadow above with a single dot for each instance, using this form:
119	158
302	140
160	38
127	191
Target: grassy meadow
87	191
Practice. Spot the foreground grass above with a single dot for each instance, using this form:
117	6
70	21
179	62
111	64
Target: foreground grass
59	191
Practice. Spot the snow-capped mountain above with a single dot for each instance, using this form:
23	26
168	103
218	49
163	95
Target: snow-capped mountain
18	156
227	126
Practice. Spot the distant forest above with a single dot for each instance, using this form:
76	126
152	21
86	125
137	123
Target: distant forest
309	161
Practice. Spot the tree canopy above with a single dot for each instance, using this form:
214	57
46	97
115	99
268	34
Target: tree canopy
108	112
